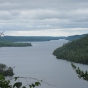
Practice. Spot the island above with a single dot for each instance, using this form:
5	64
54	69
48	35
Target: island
74	51
14	44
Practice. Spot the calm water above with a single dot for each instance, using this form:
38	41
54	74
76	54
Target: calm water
38	62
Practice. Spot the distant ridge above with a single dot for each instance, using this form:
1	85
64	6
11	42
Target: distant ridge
75	51
29	38
74	37
38	38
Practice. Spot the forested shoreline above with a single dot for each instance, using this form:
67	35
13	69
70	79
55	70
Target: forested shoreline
75	51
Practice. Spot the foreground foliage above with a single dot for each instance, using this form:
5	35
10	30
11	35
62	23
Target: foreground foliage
6	71
7	83
75	51
81	74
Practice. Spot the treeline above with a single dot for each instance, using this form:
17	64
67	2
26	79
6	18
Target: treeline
75	51
12	44
28	38
74	37
38	38
5	70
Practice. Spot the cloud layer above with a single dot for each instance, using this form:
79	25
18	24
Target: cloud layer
38	15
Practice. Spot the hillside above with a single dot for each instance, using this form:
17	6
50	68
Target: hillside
75	51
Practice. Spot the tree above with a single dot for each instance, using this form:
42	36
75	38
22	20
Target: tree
81	74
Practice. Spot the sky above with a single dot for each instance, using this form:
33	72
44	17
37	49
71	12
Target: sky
43	17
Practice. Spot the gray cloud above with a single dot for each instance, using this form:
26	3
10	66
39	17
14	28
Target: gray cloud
43	14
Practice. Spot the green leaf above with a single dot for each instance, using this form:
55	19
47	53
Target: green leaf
37	83
30	86
33	85
23	87
2	77
15	78
17	84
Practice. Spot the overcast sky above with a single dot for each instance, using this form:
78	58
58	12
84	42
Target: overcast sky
44	17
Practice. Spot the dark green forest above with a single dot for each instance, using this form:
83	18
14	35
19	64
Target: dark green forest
75	51
12	44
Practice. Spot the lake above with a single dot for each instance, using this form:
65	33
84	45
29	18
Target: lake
38	62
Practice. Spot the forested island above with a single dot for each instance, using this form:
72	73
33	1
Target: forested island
13	44
75	51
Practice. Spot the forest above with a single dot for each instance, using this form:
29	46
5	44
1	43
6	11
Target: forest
13	44
38	38
74	51
28	38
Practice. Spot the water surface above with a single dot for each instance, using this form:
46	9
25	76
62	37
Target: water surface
38	62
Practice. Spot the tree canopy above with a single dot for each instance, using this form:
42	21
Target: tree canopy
75	51
81	74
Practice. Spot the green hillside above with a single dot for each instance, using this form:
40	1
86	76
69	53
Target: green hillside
75	51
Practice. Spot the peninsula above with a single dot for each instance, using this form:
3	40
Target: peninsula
74	51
